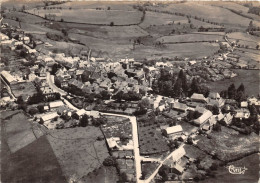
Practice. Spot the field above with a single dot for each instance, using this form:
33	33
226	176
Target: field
77	150
229	144
190	38
250	79
148	168
208	12
151	140
127	5
199	50
251	175
199	24
18	131
156	19
243	10
24	17
244	39
92	16
101	175
35	162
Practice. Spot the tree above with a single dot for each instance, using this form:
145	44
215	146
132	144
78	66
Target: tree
16	37
217	127
257	47
84	121
108	8
163	172
55	68
64	31
194	87
189	140
111	23
40	108
105	95
215	110
61	20
33	111
232	91
241	88
23	54
110	161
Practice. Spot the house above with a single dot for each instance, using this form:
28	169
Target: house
244	104
56	104
242	114
203	118
214	95
228	118
178	154
216	102
48	117
31	77
179	106
198	98
9	79
80	113
253	101
173	130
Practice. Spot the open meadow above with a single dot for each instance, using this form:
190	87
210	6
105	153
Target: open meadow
78	150
251	174
250	79
190	38
205	11
155	18
228	144
91	16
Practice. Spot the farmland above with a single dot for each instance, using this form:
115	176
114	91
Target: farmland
190	38
156	19
251	174
208	12
77	150
91	16
229	144
12	134
250	78
244	39
35	162
180	50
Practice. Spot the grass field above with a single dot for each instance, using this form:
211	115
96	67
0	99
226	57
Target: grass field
190	38
102	175
198	24
244	39
154	18
17	130
77	150
24	17
251	175
200	50
35	162
229	144
208	12
92	16
127	5
149	168
250	79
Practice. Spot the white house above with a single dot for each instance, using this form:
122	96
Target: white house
174	130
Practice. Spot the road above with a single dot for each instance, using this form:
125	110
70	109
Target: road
50	82
131	118
8	88
156	171
137	158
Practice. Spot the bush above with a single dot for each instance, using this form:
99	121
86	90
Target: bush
33	111
110	161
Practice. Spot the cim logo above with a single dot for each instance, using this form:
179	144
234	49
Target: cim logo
236	170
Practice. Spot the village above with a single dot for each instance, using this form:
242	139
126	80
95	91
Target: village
65	92
158	119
